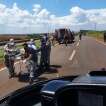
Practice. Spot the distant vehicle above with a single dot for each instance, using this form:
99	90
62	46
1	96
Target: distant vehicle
86	90
64	34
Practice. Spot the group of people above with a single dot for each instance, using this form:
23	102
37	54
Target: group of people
29	56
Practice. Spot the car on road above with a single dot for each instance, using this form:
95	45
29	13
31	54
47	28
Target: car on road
84	90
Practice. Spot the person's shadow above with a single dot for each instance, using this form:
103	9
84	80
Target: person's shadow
24	76
53	69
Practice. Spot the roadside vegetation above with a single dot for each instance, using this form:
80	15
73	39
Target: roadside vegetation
96	34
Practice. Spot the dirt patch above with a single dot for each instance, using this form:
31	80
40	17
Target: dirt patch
2	65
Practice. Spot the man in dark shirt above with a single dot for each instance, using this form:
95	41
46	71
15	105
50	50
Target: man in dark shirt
31	61
45	53
48	51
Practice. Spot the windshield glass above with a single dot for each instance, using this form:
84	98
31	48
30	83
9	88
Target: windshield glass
47	39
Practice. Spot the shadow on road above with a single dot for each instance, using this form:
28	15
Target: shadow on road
40	79
71	42
56	66
53	69
24	77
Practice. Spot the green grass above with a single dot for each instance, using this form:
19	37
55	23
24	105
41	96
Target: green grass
96	34
37	42
1	55
18	46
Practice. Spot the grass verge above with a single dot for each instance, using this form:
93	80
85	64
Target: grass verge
96	34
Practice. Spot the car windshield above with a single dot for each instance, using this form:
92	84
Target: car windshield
47	39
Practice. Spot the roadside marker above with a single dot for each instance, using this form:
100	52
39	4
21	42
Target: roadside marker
72	55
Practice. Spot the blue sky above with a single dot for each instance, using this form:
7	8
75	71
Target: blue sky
34	16
57	7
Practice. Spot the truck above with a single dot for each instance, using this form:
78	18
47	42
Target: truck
64	35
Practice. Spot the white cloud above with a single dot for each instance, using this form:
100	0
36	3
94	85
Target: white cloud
43	14
84	19
36	8
16	20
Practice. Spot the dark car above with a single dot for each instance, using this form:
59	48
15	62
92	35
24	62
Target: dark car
85	90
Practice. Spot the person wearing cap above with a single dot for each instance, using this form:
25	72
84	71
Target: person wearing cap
9	55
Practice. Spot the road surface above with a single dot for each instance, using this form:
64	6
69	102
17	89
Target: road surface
75	59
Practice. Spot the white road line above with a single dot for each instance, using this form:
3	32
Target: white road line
77	44
72	55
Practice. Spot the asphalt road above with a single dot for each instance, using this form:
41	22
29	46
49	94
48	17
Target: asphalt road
75	59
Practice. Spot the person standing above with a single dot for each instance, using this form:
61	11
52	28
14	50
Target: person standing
31	61
66	37
45	53
80	36
48	51
43	57
9	56
31	44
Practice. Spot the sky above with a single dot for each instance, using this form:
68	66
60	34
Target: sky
37	16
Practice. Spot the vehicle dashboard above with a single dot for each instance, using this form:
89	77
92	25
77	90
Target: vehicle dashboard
80	91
